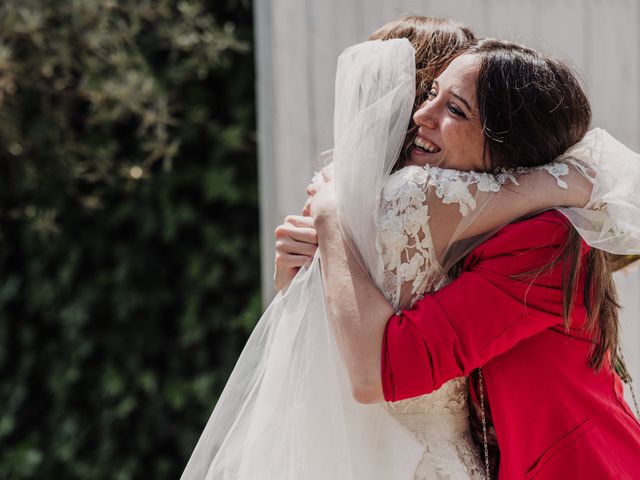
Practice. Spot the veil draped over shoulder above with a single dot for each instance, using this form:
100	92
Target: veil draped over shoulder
287	411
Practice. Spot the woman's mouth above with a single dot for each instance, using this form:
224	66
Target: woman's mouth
425	145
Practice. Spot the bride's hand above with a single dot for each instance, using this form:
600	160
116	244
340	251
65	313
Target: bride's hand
319	179
296	238
296	244
323	202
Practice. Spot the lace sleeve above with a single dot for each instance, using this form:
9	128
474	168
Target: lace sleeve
431	217
404	236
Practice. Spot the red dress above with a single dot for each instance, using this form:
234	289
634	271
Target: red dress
555	418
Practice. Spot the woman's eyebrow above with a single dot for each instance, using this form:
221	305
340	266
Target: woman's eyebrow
462	99
457	95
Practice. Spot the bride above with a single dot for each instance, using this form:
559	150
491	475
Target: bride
288	410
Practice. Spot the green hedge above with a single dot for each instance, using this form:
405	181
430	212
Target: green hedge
128	230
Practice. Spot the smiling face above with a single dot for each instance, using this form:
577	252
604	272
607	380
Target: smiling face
449	133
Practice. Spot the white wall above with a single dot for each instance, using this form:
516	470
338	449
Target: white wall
298	42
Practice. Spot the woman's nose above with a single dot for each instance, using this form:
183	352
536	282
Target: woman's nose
425	116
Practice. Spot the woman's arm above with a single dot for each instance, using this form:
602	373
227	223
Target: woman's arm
540	189
357	310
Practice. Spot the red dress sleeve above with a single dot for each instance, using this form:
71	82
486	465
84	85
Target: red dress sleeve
482	313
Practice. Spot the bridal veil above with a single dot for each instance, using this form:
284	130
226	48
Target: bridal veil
287	411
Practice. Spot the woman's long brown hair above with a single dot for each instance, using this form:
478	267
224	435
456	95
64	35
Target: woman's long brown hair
599	296
532	109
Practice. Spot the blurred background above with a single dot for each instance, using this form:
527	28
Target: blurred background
129	251
138	198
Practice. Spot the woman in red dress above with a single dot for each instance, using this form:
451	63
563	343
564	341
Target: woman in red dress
534	307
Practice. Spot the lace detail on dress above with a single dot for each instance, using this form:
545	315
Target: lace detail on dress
404	237
450	398
440	422
555	169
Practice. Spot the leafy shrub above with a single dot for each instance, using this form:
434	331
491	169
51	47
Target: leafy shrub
128	227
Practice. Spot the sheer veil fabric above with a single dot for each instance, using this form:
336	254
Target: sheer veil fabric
287	411
611	219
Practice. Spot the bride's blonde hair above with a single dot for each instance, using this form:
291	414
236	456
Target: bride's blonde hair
436	41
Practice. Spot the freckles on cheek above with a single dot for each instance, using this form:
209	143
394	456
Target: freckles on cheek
467	135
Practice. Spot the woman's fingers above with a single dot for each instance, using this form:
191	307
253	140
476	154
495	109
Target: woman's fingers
327	173
323	203
302	221
292	246
319	179
296	244
306	210
288	261
312	188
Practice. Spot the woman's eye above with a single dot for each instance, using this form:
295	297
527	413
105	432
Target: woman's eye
431	95
456	111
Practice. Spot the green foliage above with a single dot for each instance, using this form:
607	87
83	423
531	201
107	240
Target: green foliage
128	230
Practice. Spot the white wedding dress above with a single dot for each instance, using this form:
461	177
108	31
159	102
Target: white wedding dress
440	422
